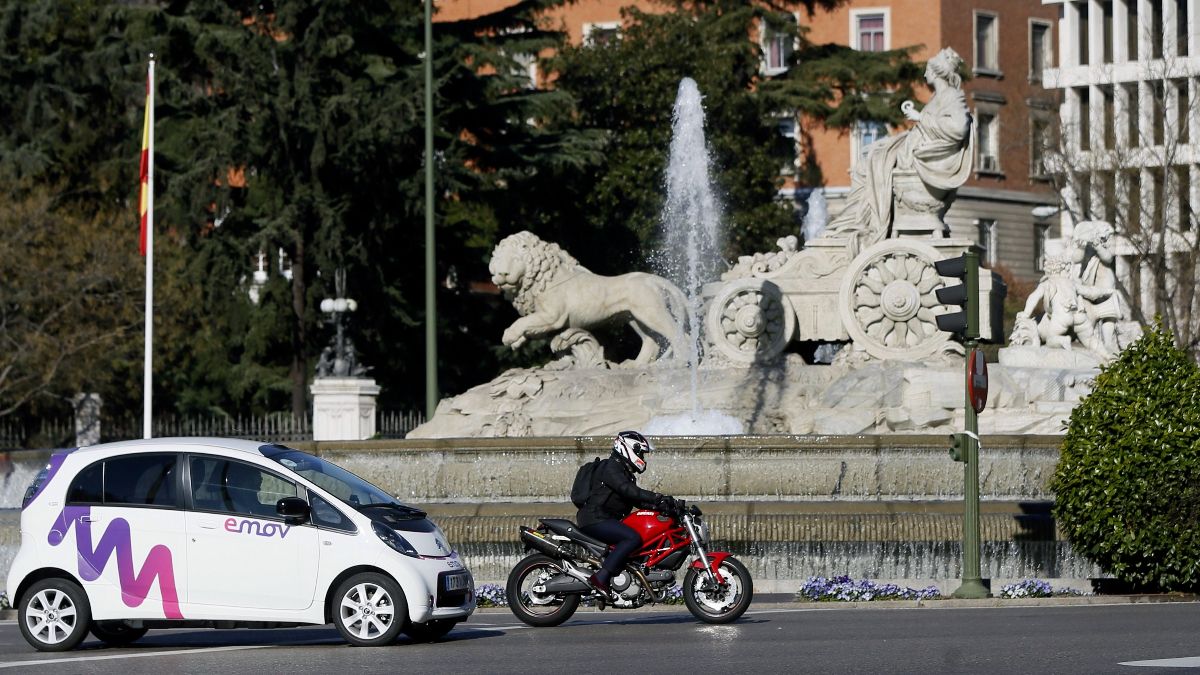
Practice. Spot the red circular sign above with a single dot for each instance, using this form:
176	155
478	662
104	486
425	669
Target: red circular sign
977	380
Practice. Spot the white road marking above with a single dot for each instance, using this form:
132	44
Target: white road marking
135	655
175	652
1185	662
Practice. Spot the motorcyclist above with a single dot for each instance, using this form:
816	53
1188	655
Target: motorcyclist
614	493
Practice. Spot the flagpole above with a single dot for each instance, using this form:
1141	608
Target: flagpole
147	371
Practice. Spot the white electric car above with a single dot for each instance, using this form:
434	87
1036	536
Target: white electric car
123	537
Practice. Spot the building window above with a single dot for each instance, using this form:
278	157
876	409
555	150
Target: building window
869	30
787	136
1039	145
526	67
866	133
1041	54
988	239
1041	233
1181	27
777	48
987	44
1132	101
987	143
601	33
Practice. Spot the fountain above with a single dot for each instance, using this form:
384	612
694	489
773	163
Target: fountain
836	337
691	253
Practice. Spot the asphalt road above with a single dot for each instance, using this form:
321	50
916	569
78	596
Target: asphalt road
771	638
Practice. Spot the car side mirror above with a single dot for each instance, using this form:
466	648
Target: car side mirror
293	509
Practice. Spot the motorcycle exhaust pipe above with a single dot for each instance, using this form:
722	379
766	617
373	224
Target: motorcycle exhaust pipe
564	583
536	540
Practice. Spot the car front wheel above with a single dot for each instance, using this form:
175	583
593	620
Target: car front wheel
369	610
54	615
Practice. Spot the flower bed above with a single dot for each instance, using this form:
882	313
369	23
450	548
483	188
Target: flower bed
1035	588
845	589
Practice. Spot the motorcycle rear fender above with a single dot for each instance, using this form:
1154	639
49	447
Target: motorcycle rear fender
715	558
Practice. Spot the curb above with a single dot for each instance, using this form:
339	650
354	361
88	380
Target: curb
949	603
956	603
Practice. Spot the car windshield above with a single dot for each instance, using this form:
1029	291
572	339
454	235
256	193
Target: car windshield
332	478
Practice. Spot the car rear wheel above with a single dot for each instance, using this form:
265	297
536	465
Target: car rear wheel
54	615
369	610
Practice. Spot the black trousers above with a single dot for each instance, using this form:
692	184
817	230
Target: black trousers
621	536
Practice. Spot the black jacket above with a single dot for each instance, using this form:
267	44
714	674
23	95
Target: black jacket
614	494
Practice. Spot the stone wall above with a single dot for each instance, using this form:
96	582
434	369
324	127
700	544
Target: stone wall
883	507
735	468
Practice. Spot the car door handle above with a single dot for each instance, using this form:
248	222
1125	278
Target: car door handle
86	519
207	527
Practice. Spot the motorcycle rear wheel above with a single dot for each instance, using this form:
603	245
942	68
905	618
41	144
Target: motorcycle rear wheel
530	607
723	604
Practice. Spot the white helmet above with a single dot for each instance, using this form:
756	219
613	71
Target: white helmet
632	447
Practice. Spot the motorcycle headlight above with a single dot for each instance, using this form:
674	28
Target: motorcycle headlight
393	539
702	530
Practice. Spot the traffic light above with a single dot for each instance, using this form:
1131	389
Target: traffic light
964	323
958	447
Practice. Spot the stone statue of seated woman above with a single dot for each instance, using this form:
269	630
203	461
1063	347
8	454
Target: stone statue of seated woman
907	181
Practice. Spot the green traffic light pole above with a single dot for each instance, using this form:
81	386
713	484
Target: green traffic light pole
972	582
431	355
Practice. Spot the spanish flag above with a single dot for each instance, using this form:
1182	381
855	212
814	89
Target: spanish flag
144	201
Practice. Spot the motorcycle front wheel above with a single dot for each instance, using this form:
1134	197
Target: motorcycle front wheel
723	603
532	607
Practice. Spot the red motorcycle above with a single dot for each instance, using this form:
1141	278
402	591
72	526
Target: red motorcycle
545	588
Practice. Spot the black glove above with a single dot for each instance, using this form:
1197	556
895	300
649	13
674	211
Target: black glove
666	504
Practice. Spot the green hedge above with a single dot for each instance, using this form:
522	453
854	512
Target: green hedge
1127	486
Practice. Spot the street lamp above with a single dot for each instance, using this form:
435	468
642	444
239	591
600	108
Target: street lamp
339	360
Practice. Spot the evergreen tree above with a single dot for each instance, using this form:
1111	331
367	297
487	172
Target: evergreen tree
299	129
70	289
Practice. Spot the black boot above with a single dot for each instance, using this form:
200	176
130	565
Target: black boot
600	584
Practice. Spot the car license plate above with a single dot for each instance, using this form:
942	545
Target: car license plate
456	582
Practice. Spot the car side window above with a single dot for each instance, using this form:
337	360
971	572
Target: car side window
140	480
324	514
88	486
229	486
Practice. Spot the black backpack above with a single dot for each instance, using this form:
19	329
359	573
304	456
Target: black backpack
581	489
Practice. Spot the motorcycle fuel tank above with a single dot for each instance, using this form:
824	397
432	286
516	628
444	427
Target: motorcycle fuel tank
648	524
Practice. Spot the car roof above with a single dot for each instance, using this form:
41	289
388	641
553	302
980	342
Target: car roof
235	445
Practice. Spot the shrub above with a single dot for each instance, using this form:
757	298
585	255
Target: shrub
4	604
1127	486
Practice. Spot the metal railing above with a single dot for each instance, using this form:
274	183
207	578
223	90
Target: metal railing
271	428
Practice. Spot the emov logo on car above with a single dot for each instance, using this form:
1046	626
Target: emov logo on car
244	526
135	586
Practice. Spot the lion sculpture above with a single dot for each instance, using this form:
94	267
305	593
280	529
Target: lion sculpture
553	292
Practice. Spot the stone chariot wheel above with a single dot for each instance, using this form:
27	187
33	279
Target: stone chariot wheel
749	321
887	300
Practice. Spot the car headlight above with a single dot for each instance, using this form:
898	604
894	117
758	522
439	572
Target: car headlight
393	539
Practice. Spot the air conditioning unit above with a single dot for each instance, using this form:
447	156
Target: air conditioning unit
988	163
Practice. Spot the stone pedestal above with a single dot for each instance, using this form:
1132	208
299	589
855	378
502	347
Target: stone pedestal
87	419
343	408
